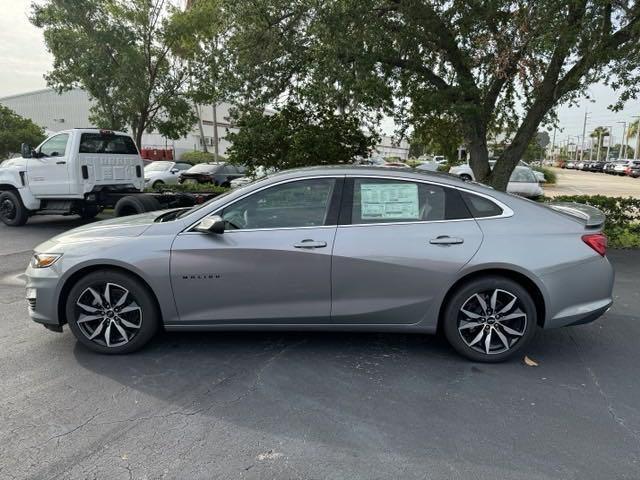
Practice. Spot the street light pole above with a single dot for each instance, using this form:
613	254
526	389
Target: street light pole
623	144
635	152
606	159
584	132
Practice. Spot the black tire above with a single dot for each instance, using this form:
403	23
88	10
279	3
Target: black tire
135	204
487	325
157	184
148	318
465	177
89	212
12	211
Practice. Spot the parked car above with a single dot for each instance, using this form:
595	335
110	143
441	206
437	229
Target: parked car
331	248
428	166
259	172
520	183
594	166
569	165
621	167
608	167
220	174
162	172
631	165
634	171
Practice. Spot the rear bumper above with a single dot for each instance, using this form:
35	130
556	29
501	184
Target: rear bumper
579	294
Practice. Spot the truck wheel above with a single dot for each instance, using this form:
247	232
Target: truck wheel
135	204
89	211
12	210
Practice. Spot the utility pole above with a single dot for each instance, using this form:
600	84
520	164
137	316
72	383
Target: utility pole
584	132
623	144
575	158
635	152
609	138
591	148
599	143
553	146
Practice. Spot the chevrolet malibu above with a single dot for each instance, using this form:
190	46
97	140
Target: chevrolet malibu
332	248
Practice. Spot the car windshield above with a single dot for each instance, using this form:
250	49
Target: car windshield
158	166
205	168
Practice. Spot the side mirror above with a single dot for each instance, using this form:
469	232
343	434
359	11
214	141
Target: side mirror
26	150
174	170
214	224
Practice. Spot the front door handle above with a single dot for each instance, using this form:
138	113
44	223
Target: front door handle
309	243
61	163
446	240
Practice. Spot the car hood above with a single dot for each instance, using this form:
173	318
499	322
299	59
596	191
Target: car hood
131	226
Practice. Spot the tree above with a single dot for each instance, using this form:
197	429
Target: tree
15	130
496	66
441	134
119	51
296	137
599	133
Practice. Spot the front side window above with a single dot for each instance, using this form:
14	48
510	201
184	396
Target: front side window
158	166
303	203
55	146
386	200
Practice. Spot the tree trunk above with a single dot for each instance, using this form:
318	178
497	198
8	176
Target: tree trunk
476	136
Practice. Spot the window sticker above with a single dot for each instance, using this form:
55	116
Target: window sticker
389	200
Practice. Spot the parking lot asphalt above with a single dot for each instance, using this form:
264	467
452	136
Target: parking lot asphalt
315	406
576	182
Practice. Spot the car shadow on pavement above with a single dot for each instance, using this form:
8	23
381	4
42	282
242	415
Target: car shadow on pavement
325	387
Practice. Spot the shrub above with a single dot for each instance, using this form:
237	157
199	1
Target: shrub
549	175
196	156
623	216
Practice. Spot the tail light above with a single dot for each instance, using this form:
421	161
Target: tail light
627	170
597	241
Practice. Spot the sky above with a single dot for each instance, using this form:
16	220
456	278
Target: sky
24	60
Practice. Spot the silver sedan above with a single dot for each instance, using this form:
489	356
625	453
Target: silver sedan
342	248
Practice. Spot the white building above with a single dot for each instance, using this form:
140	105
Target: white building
55	112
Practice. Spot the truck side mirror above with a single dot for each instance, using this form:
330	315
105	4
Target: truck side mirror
214	224
26	150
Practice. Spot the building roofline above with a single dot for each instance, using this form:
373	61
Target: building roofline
32	92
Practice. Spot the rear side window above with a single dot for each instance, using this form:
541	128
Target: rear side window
481	207
387	201
105	143
183	166
204	168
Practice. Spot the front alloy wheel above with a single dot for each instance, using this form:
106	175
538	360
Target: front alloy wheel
112	311
108	315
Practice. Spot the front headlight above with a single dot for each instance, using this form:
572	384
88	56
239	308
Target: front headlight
44	260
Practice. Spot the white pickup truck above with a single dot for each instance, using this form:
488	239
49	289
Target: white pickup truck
79	171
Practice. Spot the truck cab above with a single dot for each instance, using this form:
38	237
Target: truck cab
72	172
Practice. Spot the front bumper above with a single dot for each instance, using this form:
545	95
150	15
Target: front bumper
42	295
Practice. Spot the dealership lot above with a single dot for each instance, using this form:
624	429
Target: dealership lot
291	405
576	182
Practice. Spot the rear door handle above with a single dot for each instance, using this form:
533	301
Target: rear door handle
61	163
309	243
446	240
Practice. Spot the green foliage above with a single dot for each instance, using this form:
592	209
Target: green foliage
623	215
440	134
296	137
197	156
15	130
496	67
190	188
119	52
550	176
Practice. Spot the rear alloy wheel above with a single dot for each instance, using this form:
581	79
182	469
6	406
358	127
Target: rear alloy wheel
111	312
490	319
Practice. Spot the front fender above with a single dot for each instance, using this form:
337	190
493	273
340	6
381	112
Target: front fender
13	177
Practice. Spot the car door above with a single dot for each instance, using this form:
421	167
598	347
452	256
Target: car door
271	265
48	172
398	247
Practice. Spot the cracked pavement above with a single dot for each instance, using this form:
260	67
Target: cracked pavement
315	406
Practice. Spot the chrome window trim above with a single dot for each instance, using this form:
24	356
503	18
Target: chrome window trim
506	211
